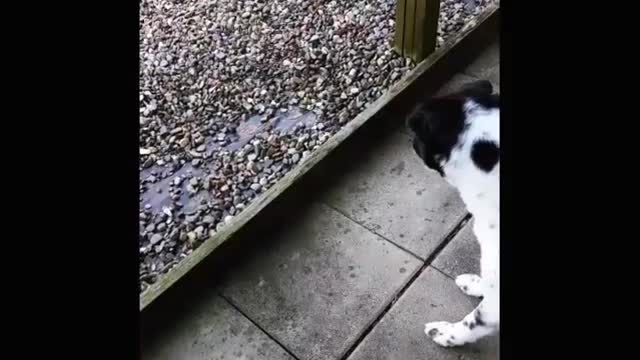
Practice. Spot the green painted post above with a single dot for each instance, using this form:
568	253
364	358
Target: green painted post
416	28
398	42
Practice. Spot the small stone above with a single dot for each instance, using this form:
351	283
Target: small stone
191	218
255	187
155	239
191	237
150	228
251	166
208	219
343	117
199	231
228	218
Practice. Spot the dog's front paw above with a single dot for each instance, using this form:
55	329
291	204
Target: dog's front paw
470	284
442	333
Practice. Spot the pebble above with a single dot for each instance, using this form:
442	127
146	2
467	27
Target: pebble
191	237
155	238
199	231
208	219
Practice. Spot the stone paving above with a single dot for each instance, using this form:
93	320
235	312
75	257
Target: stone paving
355	275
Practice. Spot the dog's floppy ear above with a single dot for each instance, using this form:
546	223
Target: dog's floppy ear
440	116
480	88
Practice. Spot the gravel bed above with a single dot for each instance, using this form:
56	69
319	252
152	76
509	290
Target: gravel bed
233	94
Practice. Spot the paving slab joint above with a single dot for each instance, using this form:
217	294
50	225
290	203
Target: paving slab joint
236	308
413	278
372	231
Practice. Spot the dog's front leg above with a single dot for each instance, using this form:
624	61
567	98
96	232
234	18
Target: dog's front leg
482	321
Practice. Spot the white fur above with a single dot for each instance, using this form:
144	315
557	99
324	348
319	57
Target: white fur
480	192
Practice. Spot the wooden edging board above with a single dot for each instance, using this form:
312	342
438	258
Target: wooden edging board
485	24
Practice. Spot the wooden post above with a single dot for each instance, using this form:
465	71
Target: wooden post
416	28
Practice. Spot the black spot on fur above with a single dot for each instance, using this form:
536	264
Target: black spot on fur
485	154
478	318
433	332
471	325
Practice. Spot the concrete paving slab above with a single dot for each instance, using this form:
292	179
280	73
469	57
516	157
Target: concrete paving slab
400	333
487	66
391	192
317	284
213	330
461	255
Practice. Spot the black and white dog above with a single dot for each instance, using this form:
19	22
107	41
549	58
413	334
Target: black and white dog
458	136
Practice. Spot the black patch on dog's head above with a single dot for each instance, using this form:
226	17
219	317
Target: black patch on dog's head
485	154
438	122
436	126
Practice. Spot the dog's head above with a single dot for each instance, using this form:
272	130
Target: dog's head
438	123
